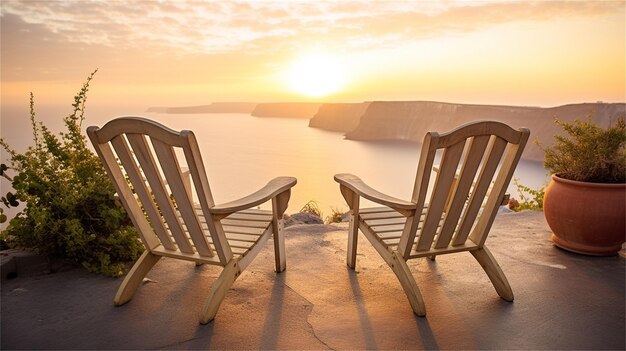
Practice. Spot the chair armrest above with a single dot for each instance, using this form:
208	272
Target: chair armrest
355	184
273	188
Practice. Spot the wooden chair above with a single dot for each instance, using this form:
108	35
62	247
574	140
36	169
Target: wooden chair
142	159
446	213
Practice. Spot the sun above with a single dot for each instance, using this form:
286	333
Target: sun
316	75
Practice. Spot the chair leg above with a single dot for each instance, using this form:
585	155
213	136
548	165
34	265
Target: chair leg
279	246
493	270
353	236
409	286
134	277
218	291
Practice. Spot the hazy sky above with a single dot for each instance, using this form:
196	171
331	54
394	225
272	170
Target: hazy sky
171	53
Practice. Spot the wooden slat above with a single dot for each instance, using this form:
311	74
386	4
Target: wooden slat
239	251
245	219
254	251
388	235
250	228
234	229
203	192
242	237
249	217
383	233
160	250
387	228
134	174
171	169
255	212
243	230
243	223
465	180
391	241
236	236
137	125
480	128
449	162
389	221
380	209
422	181
105	152
376	243
467	246
382	213
385	221
241	241
480	189
157	186
503	179
238	244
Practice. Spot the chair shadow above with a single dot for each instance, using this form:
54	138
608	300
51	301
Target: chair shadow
429	342
180	294
271	324
366	326
427	337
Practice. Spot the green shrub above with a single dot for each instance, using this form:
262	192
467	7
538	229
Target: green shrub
530	199
589	153
70	210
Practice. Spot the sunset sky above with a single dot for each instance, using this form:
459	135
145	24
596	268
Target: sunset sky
171	53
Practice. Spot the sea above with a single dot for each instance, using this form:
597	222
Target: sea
242	153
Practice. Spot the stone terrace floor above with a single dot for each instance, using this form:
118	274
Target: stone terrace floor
562	301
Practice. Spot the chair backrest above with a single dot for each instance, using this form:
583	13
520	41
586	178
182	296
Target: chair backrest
141	159
474	158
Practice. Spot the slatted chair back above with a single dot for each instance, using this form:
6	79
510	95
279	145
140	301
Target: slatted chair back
474	158
141	158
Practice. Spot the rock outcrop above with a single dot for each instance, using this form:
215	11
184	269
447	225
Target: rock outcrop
339	117
286	109
409	121
302	218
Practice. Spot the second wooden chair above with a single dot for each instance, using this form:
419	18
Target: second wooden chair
452	212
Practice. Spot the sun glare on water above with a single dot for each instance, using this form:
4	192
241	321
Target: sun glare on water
316	75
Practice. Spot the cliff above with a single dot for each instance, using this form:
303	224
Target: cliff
339	117
216	107
286	109
409	121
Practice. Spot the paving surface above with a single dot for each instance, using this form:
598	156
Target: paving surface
562	301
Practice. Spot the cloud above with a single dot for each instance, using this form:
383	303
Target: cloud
266	27
33	52
26	45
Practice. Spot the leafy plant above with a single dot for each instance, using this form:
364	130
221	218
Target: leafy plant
9	200
530	199
589	153
70	210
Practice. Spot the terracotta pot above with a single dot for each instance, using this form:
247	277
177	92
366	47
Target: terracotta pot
587	218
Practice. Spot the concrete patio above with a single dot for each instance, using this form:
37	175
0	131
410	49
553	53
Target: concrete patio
562	301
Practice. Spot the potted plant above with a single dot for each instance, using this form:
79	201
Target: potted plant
584	203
